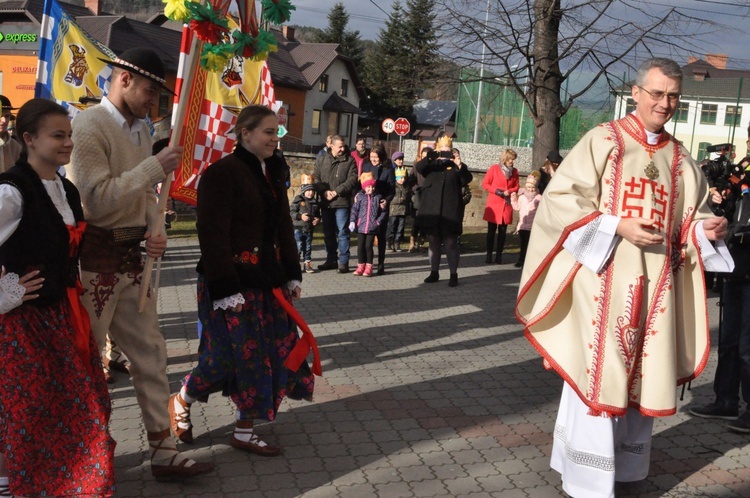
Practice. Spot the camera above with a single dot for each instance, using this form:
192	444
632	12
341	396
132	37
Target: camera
720	172
447	154
723	176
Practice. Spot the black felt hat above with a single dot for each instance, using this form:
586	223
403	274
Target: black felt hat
142	61
554	157
6	105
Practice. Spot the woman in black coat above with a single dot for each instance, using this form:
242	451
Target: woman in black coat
248	270
385	185
441	209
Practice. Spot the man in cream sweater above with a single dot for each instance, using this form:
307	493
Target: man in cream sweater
114	171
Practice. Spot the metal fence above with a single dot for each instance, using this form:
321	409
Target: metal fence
711	111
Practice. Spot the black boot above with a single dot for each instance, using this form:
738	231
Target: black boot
501	229
432	278
381	269
453	282
490	246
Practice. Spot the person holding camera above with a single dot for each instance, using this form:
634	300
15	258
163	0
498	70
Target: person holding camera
441	210
733	368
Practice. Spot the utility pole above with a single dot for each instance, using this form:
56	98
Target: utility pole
481	73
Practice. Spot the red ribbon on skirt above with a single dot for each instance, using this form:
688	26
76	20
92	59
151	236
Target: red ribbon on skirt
80	317
305	343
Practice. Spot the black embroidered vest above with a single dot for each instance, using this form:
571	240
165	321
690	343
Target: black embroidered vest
41	241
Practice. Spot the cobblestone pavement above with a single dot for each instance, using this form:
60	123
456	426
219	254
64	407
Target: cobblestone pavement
427	391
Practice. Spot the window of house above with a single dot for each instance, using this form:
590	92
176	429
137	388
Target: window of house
708	113
733	115
344	88
702	154
344	120
323	85
316	122
629	106
681	114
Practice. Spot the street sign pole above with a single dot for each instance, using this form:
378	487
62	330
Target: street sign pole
401	126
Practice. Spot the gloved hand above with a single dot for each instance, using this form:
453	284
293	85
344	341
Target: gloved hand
352	225
499	192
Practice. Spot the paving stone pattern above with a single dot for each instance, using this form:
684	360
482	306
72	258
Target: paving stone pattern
427	391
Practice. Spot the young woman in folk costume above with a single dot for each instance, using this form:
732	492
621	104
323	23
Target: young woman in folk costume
248	272
54	403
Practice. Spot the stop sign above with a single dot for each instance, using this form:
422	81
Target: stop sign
282	115
401	126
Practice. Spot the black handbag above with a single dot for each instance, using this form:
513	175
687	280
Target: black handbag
465	194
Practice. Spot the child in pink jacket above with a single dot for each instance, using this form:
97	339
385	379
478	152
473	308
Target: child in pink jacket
526	202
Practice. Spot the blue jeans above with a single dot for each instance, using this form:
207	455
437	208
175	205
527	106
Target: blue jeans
396	226
304	243
336	225
733	369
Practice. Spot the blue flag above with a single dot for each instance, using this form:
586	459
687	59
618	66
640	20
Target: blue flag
69	61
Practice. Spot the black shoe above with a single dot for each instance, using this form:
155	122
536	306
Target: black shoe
741	425
518	264
716	410
453	282
328	265
343	268
381	270
488	259
432	278
498	260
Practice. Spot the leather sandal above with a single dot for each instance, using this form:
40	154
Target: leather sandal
180	470
184	435
254	446
116	365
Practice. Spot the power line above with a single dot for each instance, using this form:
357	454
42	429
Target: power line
361	17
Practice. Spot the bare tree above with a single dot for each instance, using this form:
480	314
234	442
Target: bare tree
537	44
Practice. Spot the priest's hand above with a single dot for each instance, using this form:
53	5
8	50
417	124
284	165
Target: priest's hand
715	228
639	232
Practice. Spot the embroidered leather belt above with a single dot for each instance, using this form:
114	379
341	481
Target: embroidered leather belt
112	251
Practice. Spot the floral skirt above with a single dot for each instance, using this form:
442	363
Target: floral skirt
242	354
53	410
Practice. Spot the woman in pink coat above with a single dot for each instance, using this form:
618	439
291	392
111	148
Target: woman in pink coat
500	181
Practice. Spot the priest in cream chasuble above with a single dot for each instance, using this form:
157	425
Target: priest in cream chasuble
629	329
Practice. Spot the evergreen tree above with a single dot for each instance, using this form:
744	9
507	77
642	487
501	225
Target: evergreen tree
421	38
350	42
386	71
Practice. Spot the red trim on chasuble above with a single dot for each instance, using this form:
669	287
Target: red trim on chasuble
633	126
703	297
545	263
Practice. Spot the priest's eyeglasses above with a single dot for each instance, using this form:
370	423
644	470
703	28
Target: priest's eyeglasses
658	96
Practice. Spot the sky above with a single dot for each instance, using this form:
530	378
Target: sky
365	16
732	35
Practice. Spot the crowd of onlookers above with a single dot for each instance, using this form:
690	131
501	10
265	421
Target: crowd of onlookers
367	193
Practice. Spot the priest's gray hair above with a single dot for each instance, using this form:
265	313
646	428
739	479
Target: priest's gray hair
667	66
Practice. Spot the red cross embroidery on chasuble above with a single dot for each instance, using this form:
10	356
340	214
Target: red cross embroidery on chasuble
637	190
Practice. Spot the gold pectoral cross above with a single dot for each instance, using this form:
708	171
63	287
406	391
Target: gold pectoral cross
652	173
